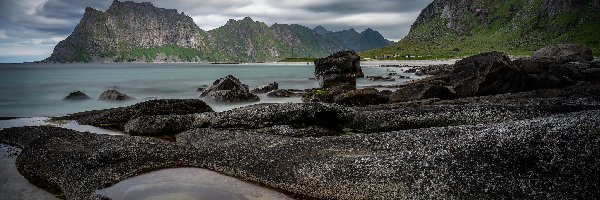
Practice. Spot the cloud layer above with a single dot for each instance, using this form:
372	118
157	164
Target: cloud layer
30	28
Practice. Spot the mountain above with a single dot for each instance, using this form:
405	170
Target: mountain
452	28
140	32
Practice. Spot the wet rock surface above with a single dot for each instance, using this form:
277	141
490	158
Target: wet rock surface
229	89
114	95
362	97
77	95
286	93
266	88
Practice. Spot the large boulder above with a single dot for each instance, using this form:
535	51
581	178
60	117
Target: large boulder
422	90
114	95
486	74
117	117
565	53
340	69
362	97
78	95
229	89
546	73
325	95
266	88
157	125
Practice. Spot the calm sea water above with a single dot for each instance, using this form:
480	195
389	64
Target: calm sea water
38	89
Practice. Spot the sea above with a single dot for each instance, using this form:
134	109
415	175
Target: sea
37	90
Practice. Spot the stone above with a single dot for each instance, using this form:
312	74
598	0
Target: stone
157	125
565	53
117	117
422	90
230	90
285	93
266	88
340	69
77	95
326	95
362	97
486	74
114	95
380	78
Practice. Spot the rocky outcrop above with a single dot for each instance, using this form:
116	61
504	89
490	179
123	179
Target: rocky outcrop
422	90
117	117
114	95
362	97
381	78
339	69
78	95
485	74
266	88
325	95
230	90
565	53
286	93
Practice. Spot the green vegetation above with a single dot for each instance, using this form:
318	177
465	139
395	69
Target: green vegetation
314	92
515	27
81	54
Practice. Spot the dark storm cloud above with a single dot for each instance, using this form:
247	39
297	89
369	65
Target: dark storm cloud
33	27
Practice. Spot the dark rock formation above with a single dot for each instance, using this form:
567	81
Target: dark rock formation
114	95
286	93
381	78
78	95
565	53
325	95
362	97
422	90
229	89
339	69
157	125
485	74
117	117
266	88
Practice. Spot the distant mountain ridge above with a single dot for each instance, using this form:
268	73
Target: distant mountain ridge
450	28
140	32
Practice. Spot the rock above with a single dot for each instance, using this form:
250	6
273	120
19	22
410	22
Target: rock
380	78
565	53
486	74
266	88
202	88
285	93
229	89
324	95
434	70
422	90
330	116
362	97
157	125
412	70
340	69
117	117
547	73
114	95
78	95
592	75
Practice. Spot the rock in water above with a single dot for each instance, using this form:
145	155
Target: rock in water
114	95
229	89
266	88
565	53
78	95
486	74
339	69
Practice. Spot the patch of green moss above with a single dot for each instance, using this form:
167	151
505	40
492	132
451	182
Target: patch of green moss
314	92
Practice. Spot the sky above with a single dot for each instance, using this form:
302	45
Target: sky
29	29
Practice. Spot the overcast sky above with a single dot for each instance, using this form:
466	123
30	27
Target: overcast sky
29	29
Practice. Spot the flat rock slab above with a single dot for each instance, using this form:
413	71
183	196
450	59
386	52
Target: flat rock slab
554	157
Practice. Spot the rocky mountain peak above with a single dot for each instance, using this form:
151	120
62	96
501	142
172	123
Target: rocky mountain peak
321	30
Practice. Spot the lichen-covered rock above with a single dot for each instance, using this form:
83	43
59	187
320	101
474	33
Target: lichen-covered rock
362	97
286	93
486	74
117	117
157	125
78	95
326	95
229	89
266	88
422	90
565	53
340	69
114	95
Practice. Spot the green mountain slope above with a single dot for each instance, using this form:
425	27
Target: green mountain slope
140	32
454	28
